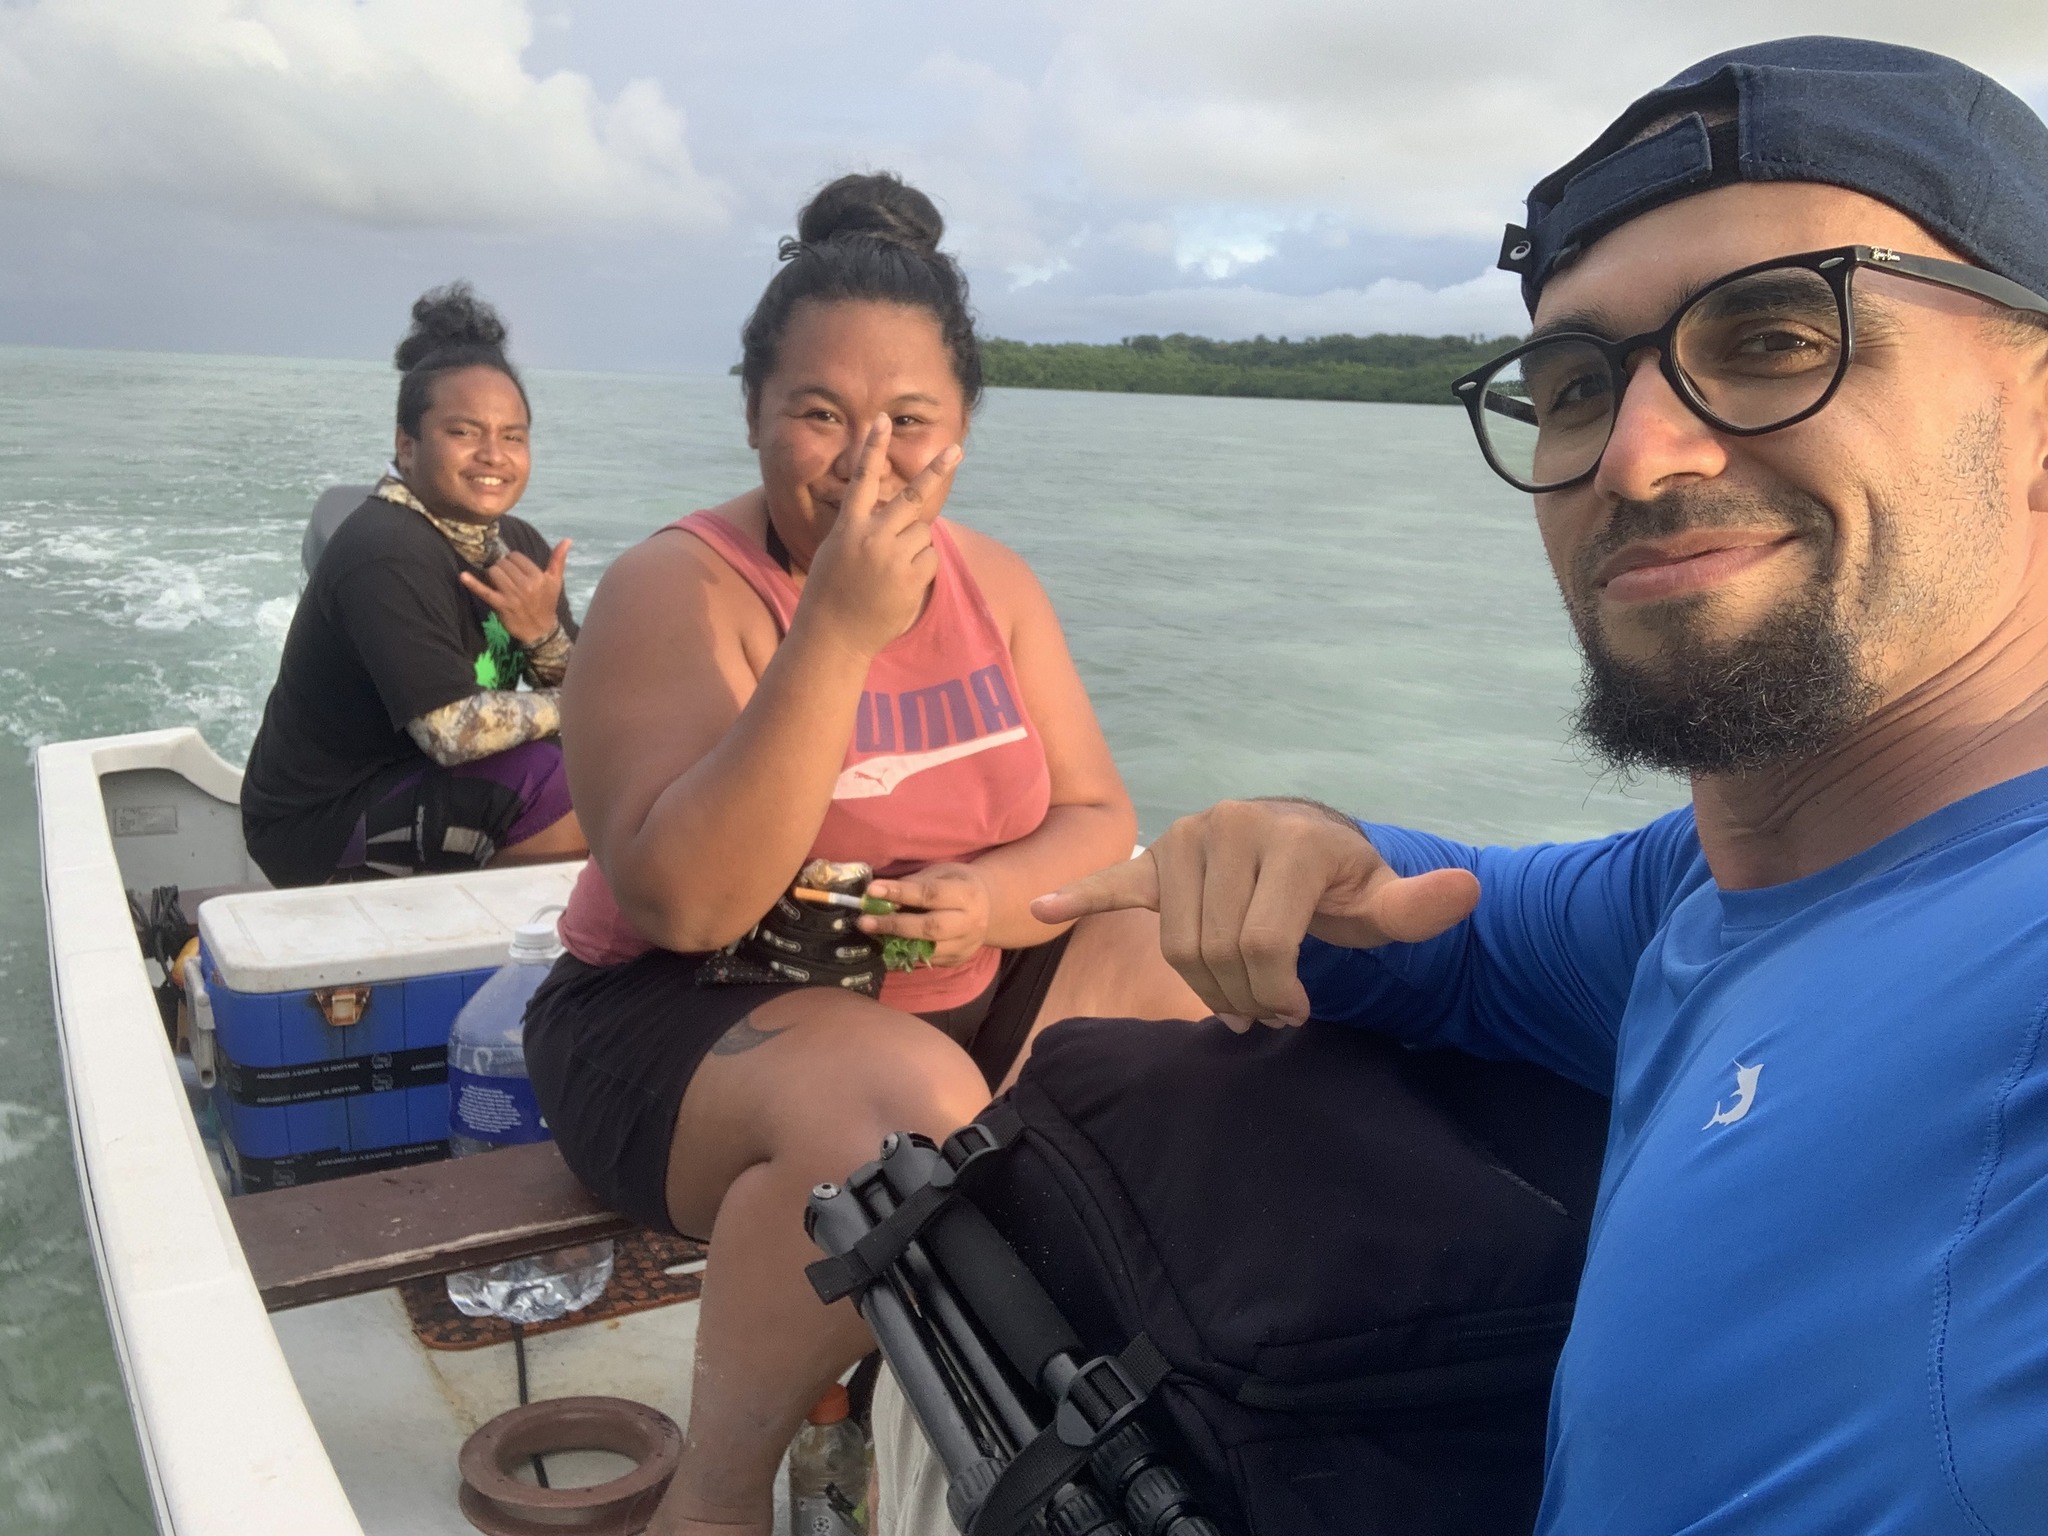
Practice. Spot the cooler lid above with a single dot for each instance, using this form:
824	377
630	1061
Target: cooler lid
381	930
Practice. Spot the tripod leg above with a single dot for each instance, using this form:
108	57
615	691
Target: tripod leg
988	1280
982	1269
837	1221
908	1162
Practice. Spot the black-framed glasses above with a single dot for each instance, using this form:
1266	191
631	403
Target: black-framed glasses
1759	349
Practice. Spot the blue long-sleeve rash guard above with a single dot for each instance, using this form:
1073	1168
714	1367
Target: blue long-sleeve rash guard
1816	1298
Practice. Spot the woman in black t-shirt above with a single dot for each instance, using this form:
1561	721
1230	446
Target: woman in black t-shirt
397	739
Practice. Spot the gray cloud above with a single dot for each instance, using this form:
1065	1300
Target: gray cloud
1489	305
282	174
1425	119
383	112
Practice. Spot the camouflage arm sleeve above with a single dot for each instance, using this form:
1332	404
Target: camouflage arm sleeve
493	720
548	662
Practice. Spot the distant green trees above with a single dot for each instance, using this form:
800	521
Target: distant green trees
1407	368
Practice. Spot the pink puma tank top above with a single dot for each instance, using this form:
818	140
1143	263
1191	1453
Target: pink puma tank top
944	763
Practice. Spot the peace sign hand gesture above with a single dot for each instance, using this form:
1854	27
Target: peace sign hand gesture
868	581
526	597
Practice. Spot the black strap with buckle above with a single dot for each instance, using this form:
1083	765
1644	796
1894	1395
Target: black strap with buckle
851	1272
1101	1398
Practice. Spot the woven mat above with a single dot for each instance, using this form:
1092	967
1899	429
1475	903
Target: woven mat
640	1280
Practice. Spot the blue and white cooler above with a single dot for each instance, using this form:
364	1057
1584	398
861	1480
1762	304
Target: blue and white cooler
322	1017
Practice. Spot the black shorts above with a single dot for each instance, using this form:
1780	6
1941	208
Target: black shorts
611	1049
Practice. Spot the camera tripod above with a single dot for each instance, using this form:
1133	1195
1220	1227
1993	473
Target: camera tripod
1035	1436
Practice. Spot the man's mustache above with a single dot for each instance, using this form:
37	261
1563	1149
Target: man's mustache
1686	511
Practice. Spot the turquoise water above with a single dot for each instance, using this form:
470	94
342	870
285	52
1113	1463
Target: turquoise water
1264	596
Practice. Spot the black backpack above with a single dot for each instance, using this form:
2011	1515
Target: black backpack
1358	1261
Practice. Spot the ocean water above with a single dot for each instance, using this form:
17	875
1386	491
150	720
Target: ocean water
1264	596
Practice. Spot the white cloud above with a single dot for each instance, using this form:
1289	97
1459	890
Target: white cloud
381	112
1489	305
1148	165
1150	237
1003	112
1426	120
1024	275
1220	242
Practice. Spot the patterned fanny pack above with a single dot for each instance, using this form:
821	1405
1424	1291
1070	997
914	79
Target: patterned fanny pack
808	938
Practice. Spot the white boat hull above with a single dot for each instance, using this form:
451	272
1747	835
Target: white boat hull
331	1420
226	1440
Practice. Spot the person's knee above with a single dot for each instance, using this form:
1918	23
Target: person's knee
895	1074
925	1074
1114	966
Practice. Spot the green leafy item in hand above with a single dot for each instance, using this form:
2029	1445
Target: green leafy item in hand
901	954
898	953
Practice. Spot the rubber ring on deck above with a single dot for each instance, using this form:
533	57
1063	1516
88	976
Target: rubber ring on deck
500	1504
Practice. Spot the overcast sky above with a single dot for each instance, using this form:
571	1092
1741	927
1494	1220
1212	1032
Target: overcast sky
283	176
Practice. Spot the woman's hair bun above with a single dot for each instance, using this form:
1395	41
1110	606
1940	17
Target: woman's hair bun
451	328
877	204
864	239
448	318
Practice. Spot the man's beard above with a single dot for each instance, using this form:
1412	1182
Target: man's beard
1784	692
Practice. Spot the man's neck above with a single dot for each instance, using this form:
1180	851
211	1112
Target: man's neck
1980	721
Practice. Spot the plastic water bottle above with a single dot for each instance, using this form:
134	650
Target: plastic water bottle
828	1472
491	1105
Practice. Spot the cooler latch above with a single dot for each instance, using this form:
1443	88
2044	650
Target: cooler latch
342	1006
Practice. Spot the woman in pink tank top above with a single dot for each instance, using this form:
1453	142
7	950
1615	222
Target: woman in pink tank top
821	668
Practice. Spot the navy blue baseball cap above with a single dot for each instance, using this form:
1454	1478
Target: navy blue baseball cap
1937	140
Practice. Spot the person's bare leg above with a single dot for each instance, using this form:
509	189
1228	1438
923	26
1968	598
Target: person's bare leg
559	840
799	1092
1112	969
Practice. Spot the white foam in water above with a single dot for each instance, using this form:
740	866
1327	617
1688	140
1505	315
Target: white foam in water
27	1472
22	1130
83	545
174	598
274	617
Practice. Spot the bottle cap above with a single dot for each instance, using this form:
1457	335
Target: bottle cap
536	941
830	1408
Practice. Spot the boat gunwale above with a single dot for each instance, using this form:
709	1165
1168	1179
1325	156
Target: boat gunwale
194	1344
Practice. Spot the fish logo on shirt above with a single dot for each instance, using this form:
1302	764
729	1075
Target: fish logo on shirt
1745	1095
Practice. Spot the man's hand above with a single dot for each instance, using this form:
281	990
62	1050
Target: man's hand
1237	886
955	899
525	597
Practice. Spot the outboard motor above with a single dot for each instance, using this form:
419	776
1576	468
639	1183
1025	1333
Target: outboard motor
329	512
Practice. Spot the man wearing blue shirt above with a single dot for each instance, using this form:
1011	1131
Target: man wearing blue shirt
1784	413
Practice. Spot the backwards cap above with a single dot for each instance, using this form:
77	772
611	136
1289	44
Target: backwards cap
1937	140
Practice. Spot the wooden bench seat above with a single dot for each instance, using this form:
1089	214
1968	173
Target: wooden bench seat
373	1230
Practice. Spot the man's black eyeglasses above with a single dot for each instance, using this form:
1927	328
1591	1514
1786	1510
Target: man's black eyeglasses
1752	352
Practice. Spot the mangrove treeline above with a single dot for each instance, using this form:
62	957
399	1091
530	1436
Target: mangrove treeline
1408	368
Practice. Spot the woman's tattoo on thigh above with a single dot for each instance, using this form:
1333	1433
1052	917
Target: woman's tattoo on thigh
743	1036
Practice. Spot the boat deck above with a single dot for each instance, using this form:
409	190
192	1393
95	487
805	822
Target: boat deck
393	1415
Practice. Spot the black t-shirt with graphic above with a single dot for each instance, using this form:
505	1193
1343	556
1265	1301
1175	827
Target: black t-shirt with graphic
384	633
